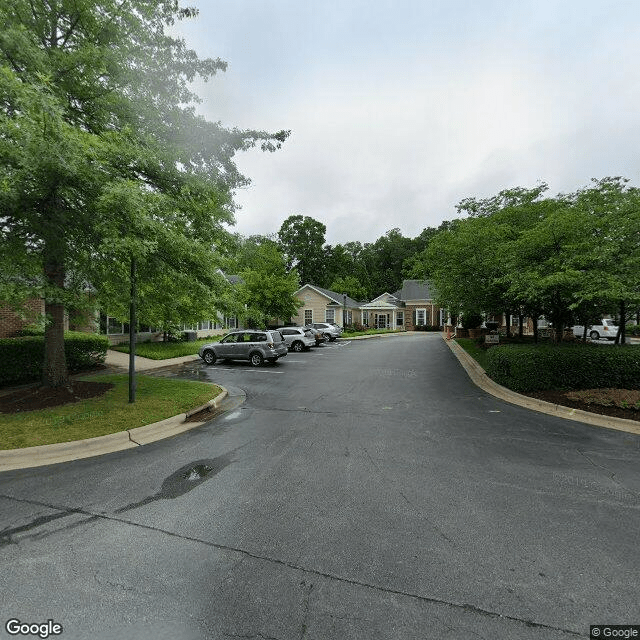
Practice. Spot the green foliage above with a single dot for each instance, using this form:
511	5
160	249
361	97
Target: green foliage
471	320
350	286
301	240
21	359
574	256
540	367
267	288
104	160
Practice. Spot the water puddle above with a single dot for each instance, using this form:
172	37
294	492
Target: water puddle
185	479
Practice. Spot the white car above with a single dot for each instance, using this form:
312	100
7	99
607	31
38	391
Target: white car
297	338
331	330
608	330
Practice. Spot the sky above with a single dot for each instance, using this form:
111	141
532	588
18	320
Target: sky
399	109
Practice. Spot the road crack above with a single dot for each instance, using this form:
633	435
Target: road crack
464	606
612	476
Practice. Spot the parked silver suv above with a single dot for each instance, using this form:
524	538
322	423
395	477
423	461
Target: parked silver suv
254	346
332	331
297	338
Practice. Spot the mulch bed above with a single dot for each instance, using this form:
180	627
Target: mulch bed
560	397
31	398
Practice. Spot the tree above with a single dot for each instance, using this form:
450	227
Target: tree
96	103
267	288
350	286
302	239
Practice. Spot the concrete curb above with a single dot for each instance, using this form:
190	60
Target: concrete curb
386	335
480	378
66	451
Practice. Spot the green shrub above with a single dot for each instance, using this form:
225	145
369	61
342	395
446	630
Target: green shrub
571	366
22	359
471	320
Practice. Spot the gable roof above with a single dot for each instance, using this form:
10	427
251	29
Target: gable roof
415	290
336	298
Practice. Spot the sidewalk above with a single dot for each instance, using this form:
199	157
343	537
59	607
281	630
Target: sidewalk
120	360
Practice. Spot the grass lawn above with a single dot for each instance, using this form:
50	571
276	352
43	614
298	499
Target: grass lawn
470	346
156	399
164	350
369	332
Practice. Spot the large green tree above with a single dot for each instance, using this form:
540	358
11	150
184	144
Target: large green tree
96	103
268	287
302	240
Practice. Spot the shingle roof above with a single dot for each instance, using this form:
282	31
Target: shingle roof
415	290
335	297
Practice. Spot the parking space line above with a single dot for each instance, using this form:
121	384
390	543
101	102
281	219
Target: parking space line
251	370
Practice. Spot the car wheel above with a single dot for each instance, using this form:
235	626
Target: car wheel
256	359
297	346
332	338
209	357
594	335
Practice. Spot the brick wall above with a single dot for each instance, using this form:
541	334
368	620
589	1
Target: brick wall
11	322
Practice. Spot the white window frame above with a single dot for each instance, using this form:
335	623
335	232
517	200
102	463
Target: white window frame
400	318
424	317
365	318
310	320
329	315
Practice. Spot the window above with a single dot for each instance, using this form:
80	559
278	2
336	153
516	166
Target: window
114	326
204	326
330	315
400	318
308	316
349	317
421	315
365	318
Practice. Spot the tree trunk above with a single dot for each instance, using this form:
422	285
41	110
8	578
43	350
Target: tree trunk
54	373
520	326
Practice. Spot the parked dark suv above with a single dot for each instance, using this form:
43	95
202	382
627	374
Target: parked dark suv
254	346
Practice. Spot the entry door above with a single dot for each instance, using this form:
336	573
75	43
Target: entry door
382	321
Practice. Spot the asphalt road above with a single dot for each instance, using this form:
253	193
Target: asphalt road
361	490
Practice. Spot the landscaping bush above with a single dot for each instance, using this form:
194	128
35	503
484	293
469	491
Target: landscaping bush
21	359
541	367
471	321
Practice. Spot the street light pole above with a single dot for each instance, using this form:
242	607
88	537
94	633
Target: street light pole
344	310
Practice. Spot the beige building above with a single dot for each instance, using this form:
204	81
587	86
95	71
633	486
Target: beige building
407	308
322	305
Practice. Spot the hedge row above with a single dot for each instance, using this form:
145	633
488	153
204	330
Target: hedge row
22	359
541	367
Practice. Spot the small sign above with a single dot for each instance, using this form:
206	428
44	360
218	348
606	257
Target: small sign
492	338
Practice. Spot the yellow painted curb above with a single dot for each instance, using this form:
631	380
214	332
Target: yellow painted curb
480	378
39	456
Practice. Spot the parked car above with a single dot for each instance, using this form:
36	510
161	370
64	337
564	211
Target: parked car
608	330
330	330
254	346
317	334
297	339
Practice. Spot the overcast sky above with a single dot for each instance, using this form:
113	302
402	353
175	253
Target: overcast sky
399	109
